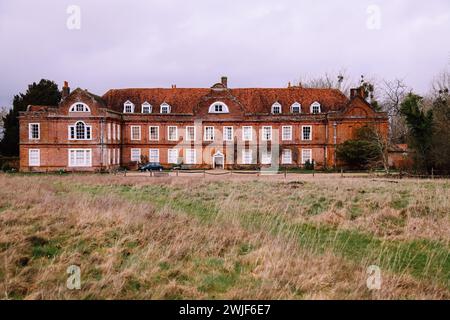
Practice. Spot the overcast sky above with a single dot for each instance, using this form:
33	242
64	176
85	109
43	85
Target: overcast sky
255	43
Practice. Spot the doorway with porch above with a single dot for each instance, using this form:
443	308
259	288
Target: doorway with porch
218	160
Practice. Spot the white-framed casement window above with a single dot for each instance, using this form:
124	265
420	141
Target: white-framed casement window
114	131
266	157
190	133
276	108
117	156
218	107
227	133
34	157
153	155
286	156
128	107
190	156
315	107
209	134
135	132
172	133
153	133
172	156
80	131
306	132
79	107
34	131
286	133
247	156
108	126
146	107
118	132
247	133
296	108
108	158
135	154
165	108
266	133
80	157
306	155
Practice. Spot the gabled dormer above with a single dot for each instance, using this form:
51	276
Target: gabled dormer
146	107
128	107
315	108
165	108
276	108
296	108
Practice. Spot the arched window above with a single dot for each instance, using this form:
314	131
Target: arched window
128	107
146	107
165	108
276	108
80	131
296	108
315	107
79	107
218	107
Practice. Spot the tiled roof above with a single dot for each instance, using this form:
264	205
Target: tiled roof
253	100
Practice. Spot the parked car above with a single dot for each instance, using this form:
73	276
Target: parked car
151	166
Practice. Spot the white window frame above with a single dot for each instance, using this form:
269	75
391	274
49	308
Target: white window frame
176	133
172	156
285	159
129	104
74	107
131	133
133	153
163	107
310	133
30	131
145	106
228	130
34	161
118	132
266	157
313	105
208	137
190	156
245	153
150	133
284	135
296	105
213	109
155	157
87	131
250	136
87	160
305	158
188	137
263	133
108	158
109	130
276	105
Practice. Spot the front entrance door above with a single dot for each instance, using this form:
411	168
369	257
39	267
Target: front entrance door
218	161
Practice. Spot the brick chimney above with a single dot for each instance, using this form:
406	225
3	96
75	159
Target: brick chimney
65	90
224	81
357	92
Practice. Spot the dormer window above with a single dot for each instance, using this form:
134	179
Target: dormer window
128	107
296	108
79	107
165	108
218	107
146	107
276	108
315	107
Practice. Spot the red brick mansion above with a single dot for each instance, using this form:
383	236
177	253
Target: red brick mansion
217	127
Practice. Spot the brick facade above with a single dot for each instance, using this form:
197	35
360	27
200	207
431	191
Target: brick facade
108	143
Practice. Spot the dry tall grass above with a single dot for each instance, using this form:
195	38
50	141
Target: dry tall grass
233	238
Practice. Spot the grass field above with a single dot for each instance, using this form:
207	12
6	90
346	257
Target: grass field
302	237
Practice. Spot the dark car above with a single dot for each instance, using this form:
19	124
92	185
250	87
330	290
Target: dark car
151	166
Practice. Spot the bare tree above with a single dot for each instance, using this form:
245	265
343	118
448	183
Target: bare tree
339	80
3	112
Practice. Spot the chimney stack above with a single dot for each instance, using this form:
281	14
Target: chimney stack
224	81
65	90
357	92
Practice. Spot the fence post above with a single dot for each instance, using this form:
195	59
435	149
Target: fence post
313	173
285	172
432	173
342	173
177	173
204	173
